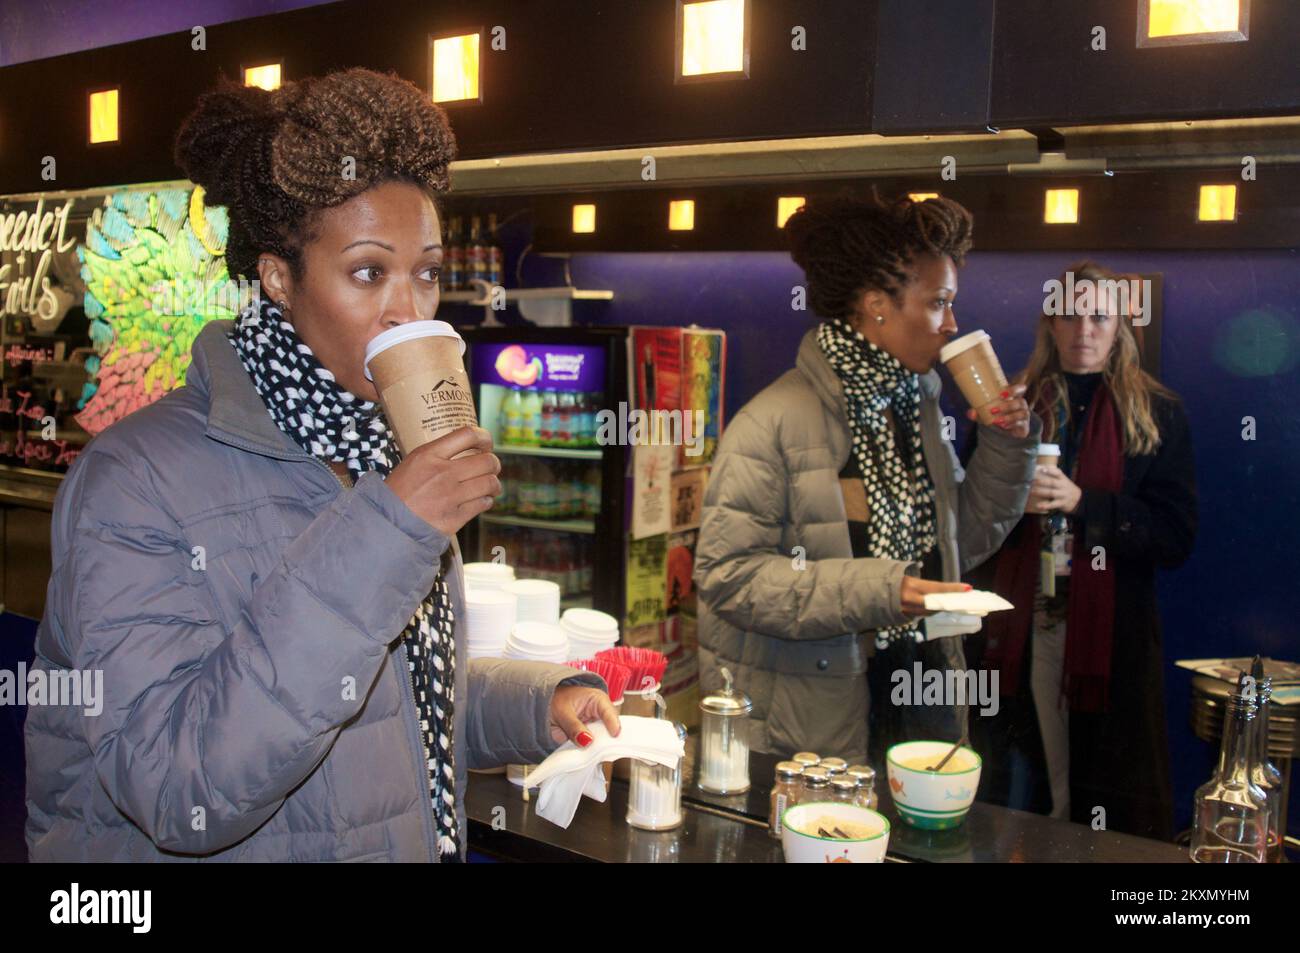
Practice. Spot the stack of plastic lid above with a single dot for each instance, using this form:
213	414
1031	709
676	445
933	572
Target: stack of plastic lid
537	642
489	617
589	632
488	575
539	600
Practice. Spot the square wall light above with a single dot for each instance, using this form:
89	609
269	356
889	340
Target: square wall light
584	219
267	76
1187	22
922	196
455	68
1061	207
1218	203
103	116
712	40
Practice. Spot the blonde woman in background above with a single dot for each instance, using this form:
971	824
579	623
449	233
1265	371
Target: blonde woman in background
1084	639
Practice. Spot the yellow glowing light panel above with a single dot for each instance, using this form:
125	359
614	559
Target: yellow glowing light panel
265	77
584	219
713	37
786	206
922	196
681	215
1061	207
103	116
1218	203
455	68
1185	17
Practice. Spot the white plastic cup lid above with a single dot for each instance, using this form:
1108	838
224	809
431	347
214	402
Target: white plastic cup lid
963	343
409	332
1049	450
475	596
590	625
534	636
490	570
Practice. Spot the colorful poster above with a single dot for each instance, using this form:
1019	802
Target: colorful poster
688	497
647	561
656	362
652	483
704	365
681	564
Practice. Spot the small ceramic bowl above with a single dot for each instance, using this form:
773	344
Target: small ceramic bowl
928	799
805	848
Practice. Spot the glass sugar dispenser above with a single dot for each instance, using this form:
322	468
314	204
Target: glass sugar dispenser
724	740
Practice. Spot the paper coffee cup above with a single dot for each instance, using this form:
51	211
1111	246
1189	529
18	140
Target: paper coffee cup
1049	454
974	366
419	372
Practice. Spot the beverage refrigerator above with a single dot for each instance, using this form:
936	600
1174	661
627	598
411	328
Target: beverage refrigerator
562	511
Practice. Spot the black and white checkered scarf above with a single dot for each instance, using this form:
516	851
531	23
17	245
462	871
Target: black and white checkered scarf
309	405
900	493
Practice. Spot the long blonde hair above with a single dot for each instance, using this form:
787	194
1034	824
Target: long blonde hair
1131	387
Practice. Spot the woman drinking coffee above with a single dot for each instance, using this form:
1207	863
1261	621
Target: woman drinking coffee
1081	649
272	596
836	504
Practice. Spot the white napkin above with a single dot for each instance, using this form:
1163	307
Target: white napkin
975	602
570	771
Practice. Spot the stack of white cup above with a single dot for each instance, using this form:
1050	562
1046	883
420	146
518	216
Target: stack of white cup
539	600
488	575
589	632
489	617
534	641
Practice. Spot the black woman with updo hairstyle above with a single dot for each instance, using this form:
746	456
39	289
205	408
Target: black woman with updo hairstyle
836	504
272	596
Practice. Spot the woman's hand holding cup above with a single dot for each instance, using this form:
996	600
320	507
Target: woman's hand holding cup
1011	413
447	493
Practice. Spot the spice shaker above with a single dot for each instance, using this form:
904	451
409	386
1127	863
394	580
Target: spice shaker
785	794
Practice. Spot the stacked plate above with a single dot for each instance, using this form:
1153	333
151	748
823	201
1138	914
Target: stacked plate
489	617
589	632
537	642
539	600
488	575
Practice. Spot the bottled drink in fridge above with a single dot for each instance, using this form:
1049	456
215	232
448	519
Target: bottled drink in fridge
512	411
549	418
564	419
495	257
532	422
453	268
476	252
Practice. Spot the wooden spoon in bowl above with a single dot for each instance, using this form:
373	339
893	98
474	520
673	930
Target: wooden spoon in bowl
951	751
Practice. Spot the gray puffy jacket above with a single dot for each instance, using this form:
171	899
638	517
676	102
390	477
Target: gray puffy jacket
783	603
244	610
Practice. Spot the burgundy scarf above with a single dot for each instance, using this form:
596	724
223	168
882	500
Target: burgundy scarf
1090	619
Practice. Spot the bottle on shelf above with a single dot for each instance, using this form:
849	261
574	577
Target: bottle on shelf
591	491
1231	812
597	402
453	266
512	423
476	252
564	419
549	419
496	274
532	419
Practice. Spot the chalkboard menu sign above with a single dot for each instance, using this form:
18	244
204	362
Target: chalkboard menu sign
101	296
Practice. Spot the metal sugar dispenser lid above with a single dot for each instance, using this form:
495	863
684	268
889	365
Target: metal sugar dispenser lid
728	703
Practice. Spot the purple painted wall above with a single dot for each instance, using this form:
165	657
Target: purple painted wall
1230	347
36	29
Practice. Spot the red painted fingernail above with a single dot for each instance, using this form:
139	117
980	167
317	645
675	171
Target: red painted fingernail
969	587
1006	393
584	739
995	410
